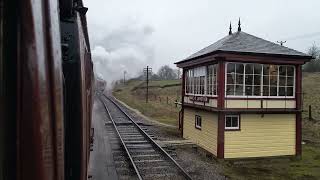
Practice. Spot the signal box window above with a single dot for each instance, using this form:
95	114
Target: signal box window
198	122
232	122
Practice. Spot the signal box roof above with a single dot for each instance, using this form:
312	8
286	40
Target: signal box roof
241	42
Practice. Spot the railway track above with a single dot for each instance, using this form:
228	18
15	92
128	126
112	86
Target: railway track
136	153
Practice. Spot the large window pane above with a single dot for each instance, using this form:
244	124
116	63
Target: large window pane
265	90
273	90
273	70
234	122
266	69
273	80
230	78
239	79
249	68
289	91
257	69
256	90
228	121
239	90
290	70
202	84
248	91
282	80
230	67
282	70
266	80
230	90
282	91
249	79
290	81
239	68
257	79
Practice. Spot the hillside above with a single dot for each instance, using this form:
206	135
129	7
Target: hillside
162	98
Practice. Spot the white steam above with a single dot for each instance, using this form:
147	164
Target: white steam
124	49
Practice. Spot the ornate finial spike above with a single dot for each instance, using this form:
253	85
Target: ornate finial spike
239	25
230	29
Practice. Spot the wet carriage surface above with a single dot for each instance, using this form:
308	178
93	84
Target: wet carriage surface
109	160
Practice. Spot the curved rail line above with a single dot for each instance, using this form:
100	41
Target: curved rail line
144	134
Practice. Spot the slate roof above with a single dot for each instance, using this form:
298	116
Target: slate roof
246	43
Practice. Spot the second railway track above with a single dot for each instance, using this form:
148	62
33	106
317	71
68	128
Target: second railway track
145	157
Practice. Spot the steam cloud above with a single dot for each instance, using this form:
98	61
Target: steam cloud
127	48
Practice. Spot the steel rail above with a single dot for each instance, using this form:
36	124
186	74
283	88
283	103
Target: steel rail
122	142
185	174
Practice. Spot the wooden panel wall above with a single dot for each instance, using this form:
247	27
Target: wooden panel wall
271	135
207	136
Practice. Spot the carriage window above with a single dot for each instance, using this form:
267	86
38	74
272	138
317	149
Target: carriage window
198	122
232	122
260	80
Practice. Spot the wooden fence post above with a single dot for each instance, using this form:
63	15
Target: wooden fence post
167	100
310	113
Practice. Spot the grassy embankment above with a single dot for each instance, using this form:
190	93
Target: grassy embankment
276	168
133	94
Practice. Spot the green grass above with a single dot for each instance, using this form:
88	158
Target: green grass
164	83
311	89
133	94
278	168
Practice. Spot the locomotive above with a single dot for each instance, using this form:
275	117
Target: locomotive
46	89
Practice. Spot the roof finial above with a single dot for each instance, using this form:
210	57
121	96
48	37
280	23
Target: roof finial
239	25
230	29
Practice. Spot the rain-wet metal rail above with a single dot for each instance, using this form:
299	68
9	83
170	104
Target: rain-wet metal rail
148	159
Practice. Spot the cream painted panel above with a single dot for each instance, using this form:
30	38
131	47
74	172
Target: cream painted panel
207	136
257	103
212	103
270	135
279	103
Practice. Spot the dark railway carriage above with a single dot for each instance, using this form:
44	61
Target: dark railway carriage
46	77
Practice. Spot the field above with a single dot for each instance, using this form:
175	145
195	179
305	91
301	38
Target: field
133	93
162	97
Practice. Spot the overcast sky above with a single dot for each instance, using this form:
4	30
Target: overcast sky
127	35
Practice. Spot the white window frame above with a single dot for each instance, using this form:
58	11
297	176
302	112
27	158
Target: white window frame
196	118
196	87
261	83
232	116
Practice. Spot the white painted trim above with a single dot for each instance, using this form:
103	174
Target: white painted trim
233	128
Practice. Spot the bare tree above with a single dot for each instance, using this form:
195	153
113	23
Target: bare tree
314	64
167	73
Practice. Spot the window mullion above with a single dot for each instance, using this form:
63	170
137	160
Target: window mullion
286	83
244	80
261	81
278	81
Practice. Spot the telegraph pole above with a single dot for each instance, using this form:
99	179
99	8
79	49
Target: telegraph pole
281	42
147	71
124	77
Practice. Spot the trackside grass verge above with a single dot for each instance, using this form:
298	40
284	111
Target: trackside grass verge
162	96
